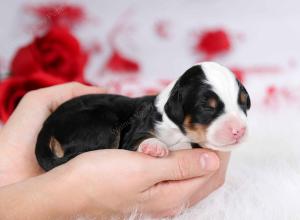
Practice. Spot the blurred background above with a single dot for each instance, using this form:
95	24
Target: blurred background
137	47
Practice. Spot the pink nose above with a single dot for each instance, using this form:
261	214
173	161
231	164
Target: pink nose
238	133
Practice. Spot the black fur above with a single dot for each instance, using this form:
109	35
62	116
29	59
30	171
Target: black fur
96	122
190	97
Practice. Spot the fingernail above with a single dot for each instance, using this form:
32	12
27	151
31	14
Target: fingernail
208	162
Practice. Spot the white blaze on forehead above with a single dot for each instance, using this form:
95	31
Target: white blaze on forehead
224	84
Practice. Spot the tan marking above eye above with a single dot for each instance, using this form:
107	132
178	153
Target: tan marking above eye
196	132
212	102
243	97
56	147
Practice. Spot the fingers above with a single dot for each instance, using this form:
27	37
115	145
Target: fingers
224	160
24	124
215	181
56	95
37	105
184	164
169	198
42	102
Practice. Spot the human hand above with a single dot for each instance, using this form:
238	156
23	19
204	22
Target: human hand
18	136
117	182
111	183
157	186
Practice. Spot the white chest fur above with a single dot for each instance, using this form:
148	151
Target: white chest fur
170	134
166	130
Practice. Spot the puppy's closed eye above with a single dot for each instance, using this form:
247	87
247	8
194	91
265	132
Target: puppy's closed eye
243	98
212	103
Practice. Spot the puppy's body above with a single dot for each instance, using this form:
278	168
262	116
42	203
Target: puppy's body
95	122
206	106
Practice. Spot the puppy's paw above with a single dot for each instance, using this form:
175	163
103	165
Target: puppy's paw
154	148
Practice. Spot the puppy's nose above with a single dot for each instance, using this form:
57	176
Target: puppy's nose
238	133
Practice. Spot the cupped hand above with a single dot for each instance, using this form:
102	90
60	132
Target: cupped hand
19	134
117	182
104	182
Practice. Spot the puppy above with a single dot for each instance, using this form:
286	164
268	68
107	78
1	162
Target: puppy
206	107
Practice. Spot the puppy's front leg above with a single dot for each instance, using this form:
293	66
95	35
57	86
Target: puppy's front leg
153	147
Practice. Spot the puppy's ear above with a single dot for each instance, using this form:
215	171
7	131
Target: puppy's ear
191	79
174	106
248	100
247	97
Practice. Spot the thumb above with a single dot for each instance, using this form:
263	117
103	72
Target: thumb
185	164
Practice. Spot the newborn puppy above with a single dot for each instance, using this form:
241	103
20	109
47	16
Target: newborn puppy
205	107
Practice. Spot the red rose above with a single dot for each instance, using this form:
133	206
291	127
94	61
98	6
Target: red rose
14	88
214	42
57	53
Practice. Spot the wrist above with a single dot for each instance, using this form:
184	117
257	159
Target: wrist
52	195
86	195
65	193
15	166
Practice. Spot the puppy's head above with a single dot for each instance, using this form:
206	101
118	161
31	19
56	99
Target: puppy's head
210	106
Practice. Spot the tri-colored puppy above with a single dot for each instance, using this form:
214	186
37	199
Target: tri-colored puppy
205	107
